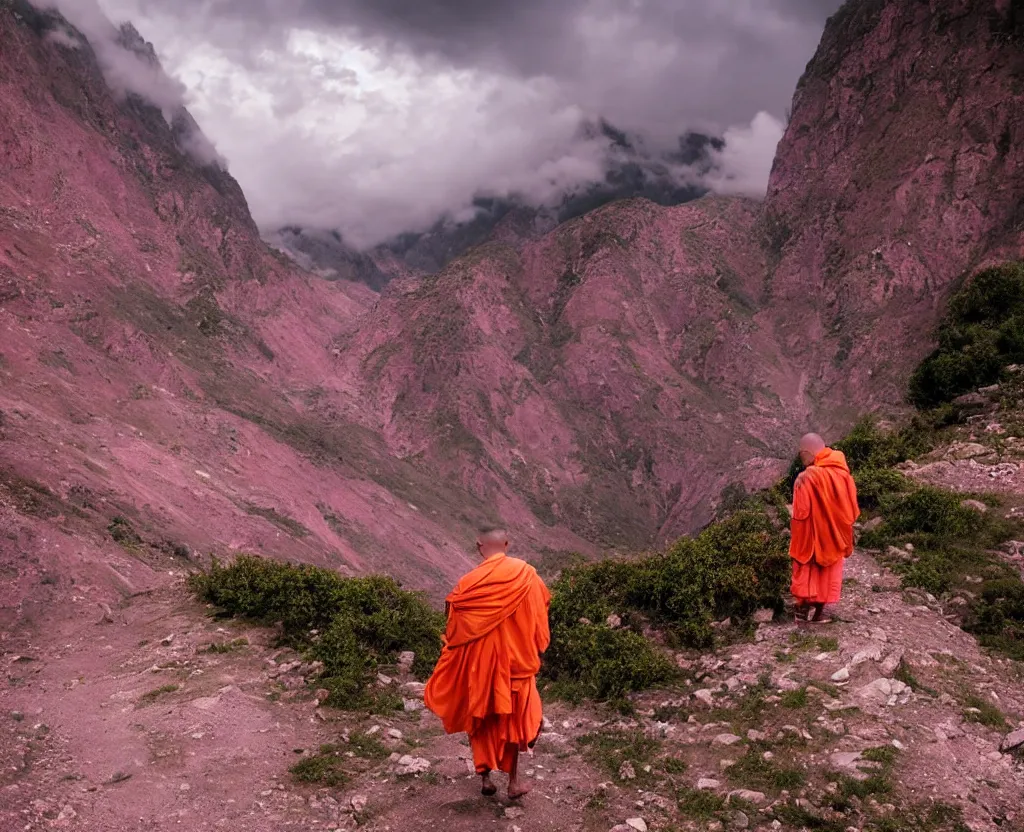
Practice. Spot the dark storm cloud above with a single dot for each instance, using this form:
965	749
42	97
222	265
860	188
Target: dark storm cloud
744	55
450	98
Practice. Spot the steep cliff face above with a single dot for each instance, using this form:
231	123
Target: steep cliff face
160	364
609	378
595	385
902	170
621	371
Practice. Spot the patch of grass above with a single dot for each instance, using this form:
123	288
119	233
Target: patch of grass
799	818
368	747
808	643
795	699
124	534
323	768
673	765
905	673
352	625
983	712
939	817
151	697
733	568
982	333
608	750
748	711
878	784
884	754
755	772
699	805
226	646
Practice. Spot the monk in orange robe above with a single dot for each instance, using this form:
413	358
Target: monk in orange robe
824	510
485	682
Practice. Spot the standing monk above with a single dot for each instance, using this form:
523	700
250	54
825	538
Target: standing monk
485	682
824	510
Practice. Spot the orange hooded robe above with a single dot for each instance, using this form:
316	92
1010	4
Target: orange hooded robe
824	510
485	682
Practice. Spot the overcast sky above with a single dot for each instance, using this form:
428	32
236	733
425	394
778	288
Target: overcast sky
376	116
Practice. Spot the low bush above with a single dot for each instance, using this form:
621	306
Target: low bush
982	333
352	625
594	661
734	567
997	620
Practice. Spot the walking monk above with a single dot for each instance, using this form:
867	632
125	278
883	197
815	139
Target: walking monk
824	510
485	682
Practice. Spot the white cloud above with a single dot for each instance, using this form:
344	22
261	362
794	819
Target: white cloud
744	164
377	119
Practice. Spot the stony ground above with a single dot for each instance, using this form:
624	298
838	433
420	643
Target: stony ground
132	721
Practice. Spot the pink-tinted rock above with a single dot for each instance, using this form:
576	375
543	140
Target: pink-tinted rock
596	386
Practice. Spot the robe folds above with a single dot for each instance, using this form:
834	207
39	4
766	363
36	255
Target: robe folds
824	511
485	683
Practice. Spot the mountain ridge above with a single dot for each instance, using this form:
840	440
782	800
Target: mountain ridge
597	386
668	178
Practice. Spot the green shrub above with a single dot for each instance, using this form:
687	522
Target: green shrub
872	453
998	618
982	332
933	518
352	625
323	768
754	772
931	512
608	750
122	531
874	485
869	447
734	567
593	661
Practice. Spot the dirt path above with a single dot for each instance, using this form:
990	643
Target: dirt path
128	721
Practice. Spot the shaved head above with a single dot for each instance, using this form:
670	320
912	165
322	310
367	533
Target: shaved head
812	442
810	446
492	541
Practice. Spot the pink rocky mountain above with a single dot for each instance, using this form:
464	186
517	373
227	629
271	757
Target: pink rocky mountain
617	374
160	364
168	381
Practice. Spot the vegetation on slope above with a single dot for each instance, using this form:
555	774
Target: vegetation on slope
352	625
936	540
981	334
602	614
611	621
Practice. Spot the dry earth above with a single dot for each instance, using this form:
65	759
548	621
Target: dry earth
95	739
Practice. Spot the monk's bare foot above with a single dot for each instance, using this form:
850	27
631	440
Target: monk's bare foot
487	788
800	612
819	616
517	789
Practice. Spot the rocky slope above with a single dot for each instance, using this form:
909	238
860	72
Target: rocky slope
901	172
667	178
137	723
619	372
598	385
159	363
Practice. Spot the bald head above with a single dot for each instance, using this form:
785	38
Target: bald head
810	446
492	541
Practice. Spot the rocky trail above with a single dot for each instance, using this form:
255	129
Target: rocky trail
891	713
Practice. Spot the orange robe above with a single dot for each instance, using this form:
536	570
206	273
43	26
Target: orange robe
824	510
485	682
